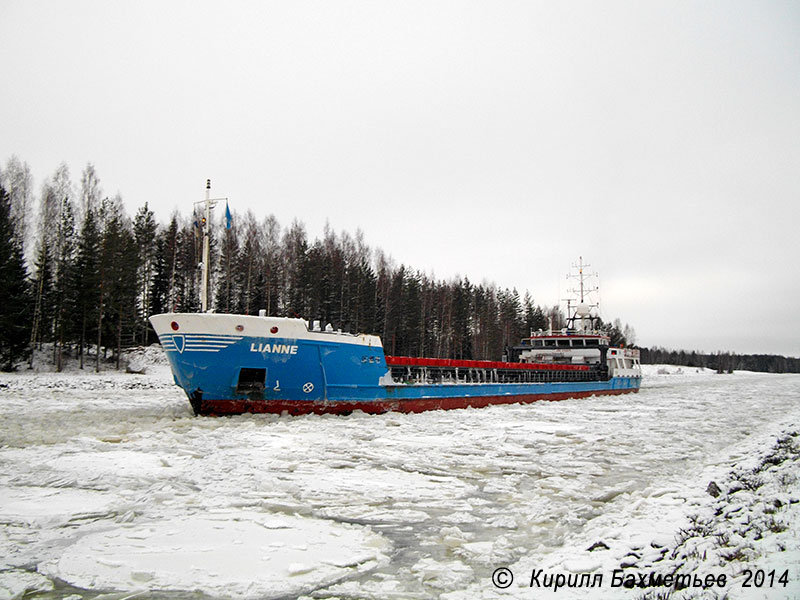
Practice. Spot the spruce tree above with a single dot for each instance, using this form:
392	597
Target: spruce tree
15	310
227	288
188	255
118	269
274	267
162	292
295	256
87	281
249	263
64	316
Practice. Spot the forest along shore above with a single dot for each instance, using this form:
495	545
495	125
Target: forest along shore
95	274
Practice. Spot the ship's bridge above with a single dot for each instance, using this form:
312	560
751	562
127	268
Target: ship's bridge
566	340
566	346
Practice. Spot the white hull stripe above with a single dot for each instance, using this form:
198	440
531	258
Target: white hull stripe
197	342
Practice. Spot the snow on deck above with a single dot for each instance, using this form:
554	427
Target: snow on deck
109	484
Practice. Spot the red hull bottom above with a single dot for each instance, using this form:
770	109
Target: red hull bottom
416	405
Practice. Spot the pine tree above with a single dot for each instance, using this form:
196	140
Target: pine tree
144	232
15	308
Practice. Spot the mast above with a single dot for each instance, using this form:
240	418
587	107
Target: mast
582	310
208	203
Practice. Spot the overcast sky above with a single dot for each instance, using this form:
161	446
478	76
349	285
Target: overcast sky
495	140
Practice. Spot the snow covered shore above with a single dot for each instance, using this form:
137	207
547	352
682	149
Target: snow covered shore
108	485
742	541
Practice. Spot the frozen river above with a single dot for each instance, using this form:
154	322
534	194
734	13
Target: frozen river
108	485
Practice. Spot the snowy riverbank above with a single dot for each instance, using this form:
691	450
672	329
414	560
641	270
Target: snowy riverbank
108	485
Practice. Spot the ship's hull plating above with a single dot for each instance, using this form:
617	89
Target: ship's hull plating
407	405
303	372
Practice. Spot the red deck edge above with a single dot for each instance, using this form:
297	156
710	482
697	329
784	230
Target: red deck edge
409	361
304	407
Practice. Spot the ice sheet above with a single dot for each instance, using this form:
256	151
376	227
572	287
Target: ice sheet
108	483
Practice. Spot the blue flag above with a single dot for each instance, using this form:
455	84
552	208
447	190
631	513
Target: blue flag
228	217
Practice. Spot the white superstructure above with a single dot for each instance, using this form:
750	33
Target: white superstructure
581	341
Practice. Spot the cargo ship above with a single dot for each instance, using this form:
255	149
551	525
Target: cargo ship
232	364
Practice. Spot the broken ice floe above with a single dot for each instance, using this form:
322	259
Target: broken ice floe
251	555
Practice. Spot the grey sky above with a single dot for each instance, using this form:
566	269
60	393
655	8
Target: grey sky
496	140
